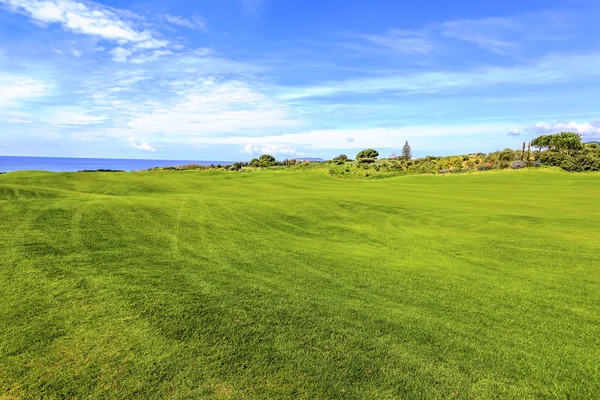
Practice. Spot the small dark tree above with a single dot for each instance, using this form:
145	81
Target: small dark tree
254	162
368	153
341	157
523	152
528	152
406	151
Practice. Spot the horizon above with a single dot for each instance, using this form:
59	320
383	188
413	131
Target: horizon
234	79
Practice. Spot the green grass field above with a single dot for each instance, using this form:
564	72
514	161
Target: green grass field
283	284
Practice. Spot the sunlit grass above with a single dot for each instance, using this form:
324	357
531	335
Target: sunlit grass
280	284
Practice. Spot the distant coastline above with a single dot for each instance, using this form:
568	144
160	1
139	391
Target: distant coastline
73	164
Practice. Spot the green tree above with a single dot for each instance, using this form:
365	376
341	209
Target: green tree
266	158
367	153
341	157
542	142
567	142
406	151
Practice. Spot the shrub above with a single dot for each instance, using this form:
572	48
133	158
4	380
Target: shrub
341	157
519	164
484	168
367	153
366	160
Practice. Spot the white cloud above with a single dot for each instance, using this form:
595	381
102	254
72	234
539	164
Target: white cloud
119	54
141	145
14	120
550	69
203	108
363	138
403	42
197	21
269	148
16	88
513	132
591	129
88	18
76	53
252	5
486	33
155	55
73	118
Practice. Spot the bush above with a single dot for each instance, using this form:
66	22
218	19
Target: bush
366	160
484	168
519	164
368	153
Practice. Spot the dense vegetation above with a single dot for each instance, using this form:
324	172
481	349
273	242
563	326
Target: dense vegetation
565	150
288	283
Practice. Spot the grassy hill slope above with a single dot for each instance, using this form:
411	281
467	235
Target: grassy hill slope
283	284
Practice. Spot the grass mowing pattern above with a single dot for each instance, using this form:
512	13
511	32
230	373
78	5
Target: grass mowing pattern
299	285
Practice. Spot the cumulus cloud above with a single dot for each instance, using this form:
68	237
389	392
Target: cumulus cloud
88	18
275	149
585	128
514	132
141	145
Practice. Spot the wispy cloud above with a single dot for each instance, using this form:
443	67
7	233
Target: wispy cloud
15	89
550	69
487	33
252	5
74	118
500	35
88	18
401	42
204	108
196	22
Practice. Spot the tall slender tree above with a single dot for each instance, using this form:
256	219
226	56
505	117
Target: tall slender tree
407	151
523	152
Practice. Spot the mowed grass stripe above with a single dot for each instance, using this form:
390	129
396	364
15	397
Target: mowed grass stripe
298	285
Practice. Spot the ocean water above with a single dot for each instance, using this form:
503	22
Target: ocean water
55	164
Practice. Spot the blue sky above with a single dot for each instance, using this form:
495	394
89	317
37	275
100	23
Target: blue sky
232	79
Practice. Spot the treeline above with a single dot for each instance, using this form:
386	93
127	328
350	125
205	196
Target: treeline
565	150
